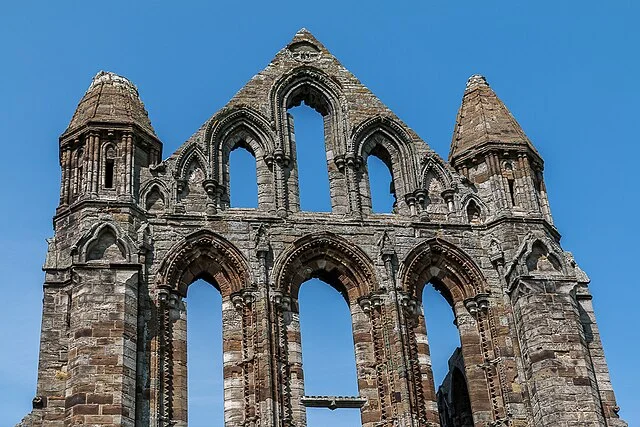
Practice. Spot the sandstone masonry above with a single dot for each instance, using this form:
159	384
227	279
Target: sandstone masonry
133	231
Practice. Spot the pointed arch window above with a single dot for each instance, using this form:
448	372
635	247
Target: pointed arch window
327	351
474	214
203	320
308	130
242	178
109	177
381	182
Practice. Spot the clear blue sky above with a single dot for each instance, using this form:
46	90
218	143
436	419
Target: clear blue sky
567	70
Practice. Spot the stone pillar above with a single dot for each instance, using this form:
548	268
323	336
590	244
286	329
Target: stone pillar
52	364
294	356
129	160
88	150
65	165
95	165
480	361
553	346
353	165
422	355
289	412
232	368
264	342
101	385
368	358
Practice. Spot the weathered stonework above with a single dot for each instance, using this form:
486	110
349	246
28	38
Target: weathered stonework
133	231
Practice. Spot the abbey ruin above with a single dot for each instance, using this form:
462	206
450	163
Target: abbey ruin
133	231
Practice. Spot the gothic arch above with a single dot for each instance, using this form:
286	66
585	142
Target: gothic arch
204	254
321	93
435	181
224	133
389	139
102	237
186	159
469	200
537	253
434	164
440	260
158	187
246	129
461	282
329	257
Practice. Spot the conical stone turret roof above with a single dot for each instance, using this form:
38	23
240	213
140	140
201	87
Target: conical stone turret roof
111	99
483	119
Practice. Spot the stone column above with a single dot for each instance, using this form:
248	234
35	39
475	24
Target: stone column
95	165
101	387
65	165
295	371
368	358
129	160
422	356
233	363
52	364
553	346
353	164
88	153
264	341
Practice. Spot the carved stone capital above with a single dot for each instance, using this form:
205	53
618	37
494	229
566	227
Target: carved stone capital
411	305
243	298
370	302
181	184
171	303
280	157
280	301
210	186
478	304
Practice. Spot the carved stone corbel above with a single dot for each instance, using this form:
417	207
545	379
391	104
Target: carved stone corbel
171	302
411	305
280	301
478	304
243	298
369	303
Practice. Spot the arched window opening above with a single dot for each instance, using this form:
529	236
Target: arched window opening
109	167
308	129
511	183
328	352
381	186
204	355
243	181
473	213
441	329
106	247
155	201
512	191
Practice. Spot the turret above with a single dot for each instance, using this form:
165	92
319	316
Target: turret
491	150
109	139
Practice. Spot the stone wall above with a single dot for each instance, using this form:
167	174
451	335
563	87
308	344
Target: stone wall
113	348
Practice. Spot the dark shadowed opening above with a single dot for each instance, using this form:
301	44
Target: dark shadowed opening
108	173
